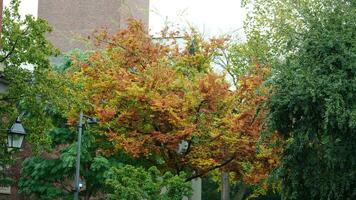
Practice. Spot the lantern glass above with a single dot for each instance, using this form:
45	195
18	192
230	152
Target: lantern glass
15	140
16	135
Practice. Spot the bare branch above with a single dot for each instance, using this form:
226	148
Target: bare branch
211	169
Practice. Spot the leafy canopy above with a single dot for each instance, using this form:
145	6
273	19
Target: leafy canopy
151	96
313	102
130	183
33	88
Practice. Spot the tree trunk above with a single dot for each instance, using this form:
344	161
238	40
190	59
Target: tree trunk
225	186
241	193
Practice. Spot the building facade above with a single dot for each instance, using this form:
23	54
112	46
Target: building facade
75	20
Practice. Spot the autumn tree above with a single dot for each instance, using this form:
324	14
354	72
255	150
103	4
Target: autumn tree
50	174
153	98
239	60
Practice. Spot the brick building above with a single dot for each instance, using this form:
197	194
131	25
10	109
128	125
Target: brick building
74	20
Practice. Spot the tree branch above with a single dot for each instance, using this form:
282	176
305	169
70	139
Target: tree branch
11	51
13	47
195	122
127	50
212	168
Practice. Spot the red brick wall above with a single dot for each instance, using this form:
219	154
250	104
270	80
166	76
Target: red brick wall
74	20
14	173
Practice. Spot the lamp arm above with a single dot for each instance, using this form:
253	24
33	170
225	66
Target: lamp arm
18	119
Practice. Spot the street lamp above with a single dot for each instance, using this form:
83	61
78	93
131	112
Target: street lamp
182	147
77	184
16	134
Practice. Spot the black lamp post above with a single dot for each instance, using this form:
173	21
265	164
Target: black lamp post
16	135
77	184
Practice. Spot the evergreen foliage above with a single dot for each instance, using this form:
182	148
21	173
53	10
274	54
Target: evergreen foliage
313	102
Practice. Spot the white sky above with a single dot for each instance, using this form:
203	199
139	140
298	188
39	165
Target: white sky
26	7
210	17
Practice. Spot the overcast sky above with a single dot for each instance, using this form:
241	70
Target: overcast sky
211	17
26	7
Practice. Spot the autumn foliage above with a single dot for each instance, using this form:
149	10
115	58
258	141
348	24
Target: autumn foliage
151	95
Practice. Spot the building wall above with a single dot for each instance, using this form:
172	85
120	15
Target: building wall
74	20
14	172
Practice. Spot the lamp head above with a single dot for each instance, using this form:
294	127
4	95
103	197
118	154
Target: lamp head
16	135
92	120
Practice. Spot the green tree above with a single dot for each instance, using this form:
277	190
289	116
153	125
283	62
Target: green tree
51	175
33	87
130	183
313	103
